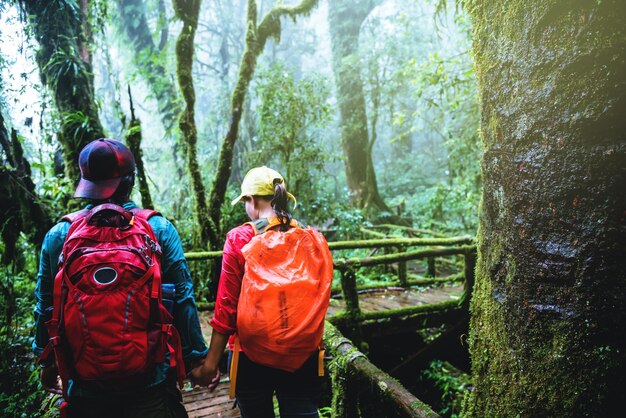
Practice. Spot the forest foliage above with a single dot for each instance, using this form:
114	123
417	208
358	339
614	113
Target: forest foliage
62	83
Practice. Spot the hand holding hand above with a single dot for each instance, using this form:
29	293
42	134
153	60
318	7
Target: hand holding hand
206	375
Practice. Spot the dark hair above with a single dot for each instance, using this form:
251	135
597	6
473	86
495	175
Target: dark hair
122	193
279	204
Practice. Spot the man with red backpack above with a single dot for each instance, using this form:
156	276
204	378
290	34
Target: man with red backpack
101	321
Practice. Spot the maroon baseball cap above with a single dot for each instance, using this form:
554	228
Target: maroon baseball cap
103	163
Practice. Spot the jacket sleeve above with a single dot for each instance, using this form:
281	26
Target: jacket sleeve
175	270
225	316
48	265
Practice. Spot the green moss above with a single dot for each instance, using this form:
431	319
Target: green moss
551	103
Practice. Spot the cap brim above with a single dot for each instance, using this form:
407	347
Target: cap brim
241	196
235	201
98	190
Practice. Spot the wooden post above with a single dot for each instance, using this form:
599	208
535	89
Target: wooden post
350	295
353	311
432	272
402	269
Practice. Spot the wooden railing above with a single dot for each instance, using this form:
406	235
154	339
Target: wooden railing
359	388
357	383
440	247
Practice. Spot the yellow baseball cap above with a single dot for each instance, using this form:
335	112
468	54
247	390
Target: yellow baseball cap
260	182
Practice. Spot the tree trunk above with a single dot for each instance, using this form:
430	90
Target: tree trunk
145	56
188	11
133	139
256	37
549	306
20	207
65	67
345	18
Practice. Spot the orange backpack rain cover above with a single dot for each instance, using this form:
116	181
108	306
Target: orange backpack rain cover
284	297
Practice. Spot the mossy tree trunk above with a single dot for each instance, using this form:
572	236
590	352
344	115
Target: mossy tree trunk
20	207
64	62
345	18
133	140
549	305
151	65
256	37
187	11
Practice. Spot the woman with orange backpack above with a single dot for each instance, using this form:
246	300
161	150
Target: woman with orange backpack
271	302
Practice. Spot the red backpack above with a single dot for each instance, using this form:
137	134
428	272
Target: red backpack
109	327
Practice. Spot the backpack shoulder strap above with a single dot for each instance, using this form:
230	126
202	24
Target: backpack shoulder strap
264	224
145	213
260	225
74	216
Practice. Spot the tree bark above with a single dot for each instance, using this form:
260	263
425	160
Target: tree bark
135	25
345	18
133	139
20	207
549	306
145	56
188	11
65	67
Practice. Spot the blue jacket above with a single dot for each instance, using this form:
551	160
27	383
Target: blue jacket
174	270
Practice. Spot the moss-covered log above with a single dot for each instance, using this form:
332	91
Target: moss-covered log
65	67
395	242
411	231
187	11
133	140
549	305
393	258
413	281
362	389
256	38
203	255
346	245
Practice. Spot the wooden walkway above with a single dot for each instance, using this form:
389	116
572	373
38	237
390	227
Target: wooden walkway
200	403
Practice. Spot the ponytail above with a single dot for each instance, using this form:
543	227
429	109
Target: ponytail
279	204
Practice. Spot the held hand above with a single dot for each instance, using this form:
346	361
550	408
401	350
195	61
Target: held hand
50	380
215	381
206	375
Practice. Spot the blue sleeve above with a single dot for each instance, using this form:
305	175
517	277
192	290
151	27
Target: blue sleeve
48	266
175	270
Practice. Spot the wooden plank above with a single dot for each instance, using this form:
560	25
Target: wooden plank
201	403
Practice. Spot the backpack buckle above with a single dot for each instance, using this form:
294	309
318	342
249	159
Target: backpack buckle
153	245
